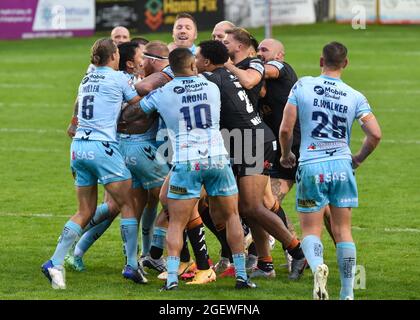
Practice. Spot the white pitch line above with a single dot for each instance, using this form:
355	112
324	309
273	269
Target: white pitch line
413	230
34	150
31	130
26	86
36	105
33	215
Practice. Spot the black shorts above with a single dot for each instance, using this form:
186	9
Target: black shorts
261	164
279	172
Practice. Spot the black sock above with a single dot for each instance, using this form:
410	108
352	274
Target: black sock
197	238
185	253
252	249
220	235
265	266
156	252
296	252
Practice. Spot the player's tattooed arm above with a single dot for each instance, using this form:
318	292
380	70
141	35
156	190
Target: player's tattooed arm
150	83
71	129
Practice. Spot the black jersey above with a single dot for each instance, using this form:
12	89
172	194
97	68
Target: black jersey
277	91
237	111
256	64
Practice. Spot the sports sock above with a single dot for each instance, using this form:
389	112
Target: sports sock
158	242
89	237
278	210
313	250
70	232
239	263
295	249
252	249
346	259
197	236
265	264
101	214
172	265
129	233
147	222
218	231
185	253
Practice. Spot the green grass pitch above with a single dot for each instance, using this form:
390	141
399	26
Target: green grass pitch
38	83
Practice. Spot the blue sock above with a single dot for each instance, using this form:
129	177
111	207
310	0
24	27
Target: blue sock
101	213
346	259
89	237
147	222
159	235
70	232
239	263
172	265
313	251
129	233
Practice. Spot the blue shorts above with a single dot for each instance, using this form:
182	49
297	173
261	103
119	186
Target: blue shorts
97	161
215	174
322	183
147	169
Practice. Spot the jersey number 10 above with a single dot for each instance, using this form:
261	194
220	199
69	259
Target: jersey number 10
197	116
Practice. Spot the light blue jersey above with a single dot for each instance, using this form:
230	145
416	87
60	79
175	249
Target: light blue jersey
327	108
100	97
190	107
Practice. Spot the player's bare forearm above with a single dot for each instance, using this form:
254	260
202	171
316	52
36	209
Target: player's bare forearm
150	83
71	129
247	78
370	142
271	72
286	128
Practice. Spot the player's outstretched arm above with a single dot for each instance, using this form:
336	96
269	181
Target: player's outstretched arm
373	134
288	159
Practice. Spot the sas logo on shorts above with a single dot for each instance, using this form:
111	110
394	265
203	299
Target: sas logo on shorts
82	155
177	190
303	203
330	177
319	90
179	90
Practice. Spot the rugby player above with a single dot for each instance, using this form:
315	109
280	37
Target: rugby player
327	108
184	32
219	30
95	156
130	63
279	80
253	206
199	159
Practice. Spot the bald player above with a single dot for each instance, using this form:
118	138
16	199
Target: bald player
120	35
219	30
279	80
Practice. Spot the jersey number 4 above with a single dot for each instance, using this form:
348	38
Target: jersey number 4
87	107
339	131
198	115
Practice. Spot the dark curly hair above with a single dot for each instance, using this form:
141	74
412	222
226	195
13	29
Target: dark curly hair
215	51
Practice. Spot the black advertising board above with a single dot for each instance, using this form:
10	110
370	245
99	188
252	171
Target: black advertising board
110	14
159	15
